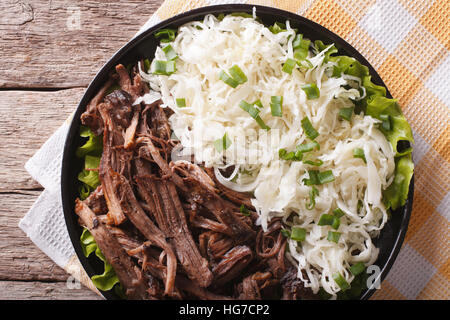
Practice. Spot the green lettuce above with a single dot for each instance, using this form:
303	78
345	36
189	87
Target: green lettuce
396	194
108	279
91	152
394	126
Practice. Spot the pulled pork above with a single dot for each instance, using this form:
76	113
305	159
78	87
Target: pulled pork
170	229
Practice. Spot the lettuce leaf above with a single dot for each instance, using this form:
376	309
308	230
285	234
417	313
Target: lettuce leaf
396	194
108	279
91	151
94	145
398	132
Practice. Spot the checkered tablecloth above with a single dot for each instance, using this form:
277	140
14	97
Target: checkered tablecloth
407	42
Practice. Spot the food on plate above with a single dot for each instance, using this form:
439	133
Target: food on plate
243	161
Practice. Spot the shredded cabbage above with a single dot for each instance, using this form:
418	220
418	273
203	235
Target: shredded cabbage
204	49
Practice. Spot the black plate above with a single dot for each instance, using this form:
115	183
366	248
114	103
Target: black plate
143	46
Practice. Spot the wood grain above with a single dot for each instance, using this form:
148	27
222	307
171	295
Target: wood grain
20	258
62	43
47	59
27	120
22	290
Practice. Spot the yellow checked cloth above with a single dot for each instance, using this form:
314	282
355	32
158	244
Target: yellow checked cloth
407	42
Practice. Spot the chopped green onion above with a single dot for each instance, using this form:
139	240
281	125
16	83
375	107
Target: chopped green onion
244	210
167	35
164	67
326	176
340	281
222	144
170	52
326	220
254	113
318	163
311	90
359	205
298	234
297	42
294	156
249	108
258	104
277	27
312	198
387	123
346	113
309	129
333	236
181	102
357	268
289	65
285	233
313	178
237	74
146	65
307	147
359	153
336	223
227	79
301	48
329	220
276	106
338	212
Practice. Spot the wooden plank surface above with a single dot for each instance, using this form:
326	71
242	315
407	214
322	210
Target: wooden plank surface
46	61
63	43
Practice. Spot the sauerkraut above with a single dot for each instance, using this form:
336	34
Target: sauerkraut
211	110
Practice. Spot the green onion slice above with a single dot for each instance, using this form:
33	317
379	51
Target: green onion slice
333	236
277	27
301	48
285	233
170	52
227	79
254	112
357	268
181	102
244	210
237	74
326	220
167	35
307	147
359	153
298	234
289	65
311	90
346	113
329	220
309	129
312	198
317	163
340	281
276	106
338	212
164	67
146	65
326	176
222	144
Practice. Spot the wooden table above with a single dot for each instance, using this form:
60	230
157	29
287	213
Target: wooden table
50	50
